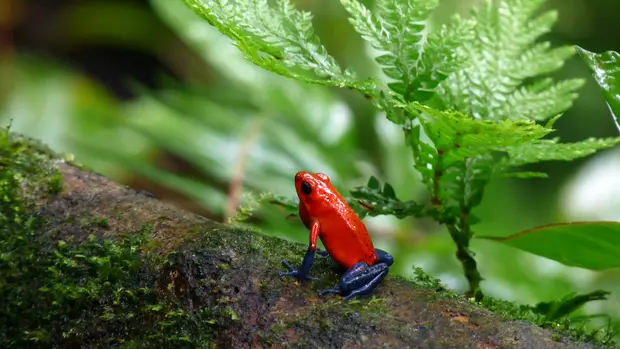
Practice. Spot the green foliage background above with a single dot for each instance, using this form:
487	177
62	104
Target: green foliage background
182	138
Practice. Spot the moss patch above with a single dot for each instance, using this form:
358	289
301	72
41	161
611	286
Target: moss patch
100	293
567	326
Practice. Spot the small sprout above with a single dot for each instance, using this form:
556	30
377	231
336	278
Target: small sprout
230	312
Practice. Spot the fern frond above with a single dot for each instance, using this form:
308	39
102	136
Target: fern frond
413	59
460	161
503	56
373	201
279	39
466	153
521	175
442	45
424	155
455	131
541	99
552	150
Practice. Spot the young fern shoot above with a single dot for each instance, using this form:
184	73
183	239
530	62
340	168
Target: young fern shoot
413	58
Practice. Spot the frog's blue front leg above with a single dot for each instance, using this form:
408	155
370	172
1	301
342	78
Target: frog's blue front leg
302	272
362	279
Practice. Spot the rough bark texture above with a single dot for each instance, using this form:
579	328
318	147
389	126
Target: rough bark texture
215	264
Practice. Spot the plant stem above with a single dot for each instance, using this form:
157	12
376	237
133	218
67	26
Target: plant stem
457	226
235	187
464	255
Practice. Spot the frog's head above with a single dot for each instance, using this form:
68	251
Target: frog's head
313	187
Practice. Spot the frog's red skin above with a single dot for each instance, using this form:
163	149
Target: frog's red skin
329	217
340	229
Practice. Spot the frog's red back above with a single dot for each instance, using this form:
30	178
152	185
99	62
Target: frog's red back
343	233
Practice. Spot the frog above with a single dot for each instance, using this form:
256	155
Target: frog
330	218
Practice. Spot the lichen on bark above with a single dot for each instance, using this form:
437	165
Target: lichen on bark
101	264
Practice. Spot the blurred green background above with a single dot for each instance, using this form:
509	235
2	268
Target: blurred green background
148	94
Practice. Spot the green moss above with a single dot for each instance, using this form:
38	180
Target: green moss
567	326
100	222
100	293
578	329
55	184
223	266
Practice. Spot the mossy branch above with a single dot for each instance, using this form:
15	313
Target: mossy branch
226	279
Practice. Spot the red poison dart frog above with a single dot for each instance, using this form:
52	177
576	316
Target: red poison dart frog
329	217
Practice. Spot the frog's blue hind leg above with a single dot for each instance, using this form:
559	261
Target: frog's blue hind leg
362	279
384	257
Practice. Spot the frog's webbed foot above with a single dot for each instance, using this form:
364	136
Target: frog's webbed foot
361	279
335	290
367	288
296	273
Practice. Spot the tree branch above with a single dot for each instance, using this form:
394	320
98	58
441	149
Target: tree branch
211	265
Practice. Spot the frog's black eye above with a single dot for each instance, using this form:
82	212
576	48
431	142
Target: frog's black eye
306	189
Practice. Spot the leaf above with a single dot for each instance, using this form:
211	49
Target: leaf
290	205
568	304
206	40
371	200
464	154
522	175
551	150
605	68
460	162
414	61
588	245
461	158
279	39
451	129
423	153
374	183
518	143
504	55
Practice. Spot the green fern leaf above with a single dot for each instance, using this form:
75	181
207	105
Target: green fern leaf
464	136
522	175
542	98
424	155
605	68
502	57
413	60
290	205
551	150
459	160
279	39
466	153
371	200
